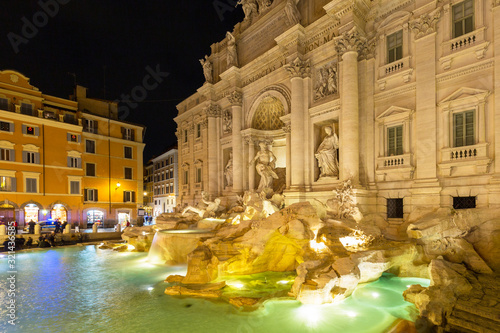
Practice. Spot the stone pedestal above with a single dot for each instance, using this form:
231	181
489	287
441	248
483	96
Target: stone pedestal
67	229
94	227
38	229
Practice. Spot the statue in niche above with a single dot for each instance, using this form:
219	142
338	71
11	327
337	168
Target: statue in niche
227	121
228	170
249	7
265	167
292	12
232	55
326	82
327	154
207	69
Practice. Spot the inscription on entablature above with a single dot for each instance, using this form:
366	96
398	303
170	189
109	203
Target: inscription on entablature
261	40
264	72
321	40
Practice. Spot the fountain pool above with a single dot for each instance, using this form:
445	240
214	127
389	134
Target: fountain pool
84	289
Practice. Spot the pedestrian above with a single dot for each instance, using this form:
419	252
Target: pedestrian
31	229
29	242
21	242
52	238
58	227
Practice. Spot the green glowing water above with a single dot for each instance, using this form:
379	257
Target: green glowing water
84	289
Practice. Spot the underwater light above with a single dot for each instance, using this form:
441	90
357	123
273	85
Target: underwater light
375	295
351	314
284	282
235	284
310	314
150	288
130	247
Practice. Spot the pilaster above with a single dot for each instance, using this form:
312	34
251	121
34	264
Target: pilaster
236	100
213	112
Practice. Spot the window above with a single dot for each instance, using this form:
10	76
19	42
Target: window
7	154
74	162
31	157
4	104
171	173
198	175
186	177
464	202
163	176
7	184
395	141
90	169
30	130
395	46
90	194
31	185
463	18
198	130
6	126
463	128
394	208
90	126
128	134
128	196
69	118
128	173
27	109
185	136
127	152
73	137
90	146
74	187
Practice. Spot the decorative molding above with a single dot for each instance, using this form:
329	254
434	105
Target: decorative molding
287	128
299	68
426	23
464	71
213	110
395	92
326	80
235	98
350	41
204	123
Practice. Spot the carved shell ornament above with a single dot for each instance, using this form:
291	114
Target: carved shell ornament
14	78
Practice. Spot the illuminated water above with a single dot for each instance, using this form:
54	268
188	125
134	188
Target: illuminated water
84	289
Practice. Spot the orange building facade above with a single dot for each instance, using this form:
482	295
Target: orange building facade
66	159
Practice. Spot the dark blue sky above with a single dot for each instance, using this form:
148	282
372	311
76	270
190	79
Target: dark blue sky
125	37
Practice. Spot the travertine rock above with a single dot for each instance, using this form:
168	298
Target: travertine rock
202	267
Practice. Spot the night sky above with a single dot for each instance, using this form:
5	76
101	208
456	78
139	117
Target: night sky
110	44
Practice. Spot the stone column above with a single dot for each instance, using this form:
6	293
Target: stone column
236	100
251	167
349	45
298	70
496	79
213	112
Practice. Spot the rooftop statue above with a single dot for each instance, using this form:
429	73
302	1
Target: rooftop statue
265	167
232	55
327	154
292	12
249	7
207	69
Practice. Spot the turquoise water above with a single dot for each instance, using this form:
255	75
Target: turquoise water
84	289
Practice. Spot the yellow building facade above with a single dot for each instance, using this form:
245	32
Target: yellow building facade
66	159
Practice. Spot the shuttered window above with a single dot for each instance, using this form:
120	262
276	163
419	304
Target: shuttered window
31	185
395	141
74	187
463	128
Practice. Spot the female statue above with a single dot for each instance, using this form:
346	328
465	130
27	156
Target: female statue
327	154
265	167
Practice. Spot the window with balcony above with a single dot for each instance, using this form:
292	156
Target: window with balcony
90	169
463	18
395	46
90	194
90	146
395	140
463	128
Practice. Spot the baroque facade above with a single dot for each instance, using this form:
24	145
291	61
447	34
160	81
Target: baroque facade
409	89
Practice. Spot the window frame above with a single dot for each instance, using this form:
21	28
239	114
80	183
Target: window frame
28	185
463	19
94	146
395	139
395	47
86	170
464	137
131	170
127	156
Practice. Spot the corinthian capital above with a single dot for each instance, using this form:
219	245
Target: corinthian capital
235	98
426	23
299	68
213	110
350	41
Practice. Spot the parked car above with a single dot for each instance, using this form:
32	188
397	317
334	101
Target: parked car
47	224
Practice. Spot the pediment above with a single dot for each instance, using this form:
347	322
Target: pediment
465	93
395	18
393	112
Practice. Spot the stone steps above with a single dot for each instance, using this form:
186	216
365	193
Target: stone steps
468	317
